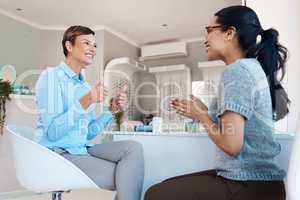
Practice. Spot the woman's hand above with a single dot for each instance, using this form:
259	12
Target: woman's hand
95	95
118	103
98	93
192	108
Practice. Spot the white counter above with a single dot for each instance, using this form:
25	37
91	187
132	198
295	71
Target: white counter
169	134
176	153
181	134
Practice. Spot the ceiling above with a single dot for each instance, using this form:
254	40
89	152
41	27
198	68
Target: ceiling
138	21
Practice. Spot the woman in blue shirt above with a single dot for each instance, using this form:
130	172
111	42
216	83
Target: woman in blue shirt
241	121
67	119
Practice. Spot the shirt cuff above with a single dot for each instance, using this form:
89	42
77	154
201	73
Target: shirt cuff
104	118
242	110
80	110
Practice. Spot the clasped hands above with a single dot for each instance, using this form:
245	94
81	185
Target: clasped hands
98	93
192	108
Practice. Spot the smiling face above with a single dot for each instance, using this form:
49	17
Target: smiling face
84	49
216	40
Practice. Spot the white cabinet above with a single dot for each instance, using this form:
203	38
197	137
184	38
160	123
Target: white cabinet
211	70
172	154
168	156
207	89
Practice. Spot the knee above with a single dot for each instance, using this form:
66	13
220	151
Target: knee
135	146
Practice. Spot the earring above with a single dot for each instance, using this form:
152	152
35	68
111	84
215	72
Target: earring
258	39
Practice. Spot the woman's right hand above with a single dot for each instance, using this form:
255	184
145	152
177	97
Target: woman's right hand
98	93
192	108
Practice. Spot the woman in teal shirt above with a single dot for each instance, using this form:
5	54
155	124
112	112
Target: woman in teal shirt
241	121
66	106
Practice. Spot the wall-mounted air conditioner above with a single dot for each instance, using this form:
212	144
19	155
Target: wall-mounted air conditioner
164	50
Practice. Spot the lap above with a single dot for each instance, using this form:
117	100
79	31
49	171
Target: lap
208	185
114	151
101	164
192	186
262	190
101	171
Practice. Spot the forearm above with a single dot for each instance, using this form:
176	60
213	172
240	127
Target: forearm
61	125
96	126
223	138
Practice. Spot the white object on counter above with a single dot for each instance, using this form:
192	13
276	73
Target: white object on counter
157	124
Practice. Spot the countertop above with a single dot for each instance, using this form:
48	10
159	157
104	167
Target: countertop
182	134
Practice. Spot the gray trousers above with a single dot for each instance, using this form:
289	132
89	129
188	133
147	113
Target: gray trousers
114	166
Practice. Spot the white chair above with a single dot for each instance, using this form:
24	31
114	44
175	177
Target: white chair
41	170
293	176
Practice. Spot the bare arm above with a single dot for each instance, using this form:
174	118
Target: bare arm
229	134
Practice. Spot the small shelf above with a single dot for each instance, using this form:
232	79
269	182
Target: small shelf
125	64
209	64
22	96
168	68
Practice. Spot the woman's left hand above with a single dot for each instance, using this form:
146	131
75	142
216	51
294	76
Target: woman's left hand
192	108
118	103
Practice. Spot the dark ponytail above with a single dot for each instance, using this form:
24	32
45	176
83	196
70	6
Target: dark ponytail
271	55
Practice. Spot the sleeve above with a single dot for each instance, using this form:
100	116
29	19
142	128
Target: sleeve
56	121
96	126
237	91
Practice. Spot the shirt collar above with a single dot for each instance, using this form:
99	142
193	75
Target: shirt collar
70	73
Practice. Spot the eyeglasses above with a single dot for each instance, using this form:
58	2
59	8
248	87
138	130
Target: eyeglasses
209	29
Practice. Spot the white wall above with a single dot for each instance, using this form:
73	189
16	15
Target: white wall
29	48
284	15
115	47
19	44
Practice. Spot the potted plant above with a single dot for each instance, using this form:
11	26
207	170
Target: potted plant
118	117
5	91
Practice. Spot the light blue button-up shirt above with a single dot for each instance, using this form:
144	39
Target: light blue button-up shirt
62	120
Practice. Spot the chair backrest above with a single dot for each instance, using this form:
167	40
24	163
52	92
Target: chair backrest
39	169
293	177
